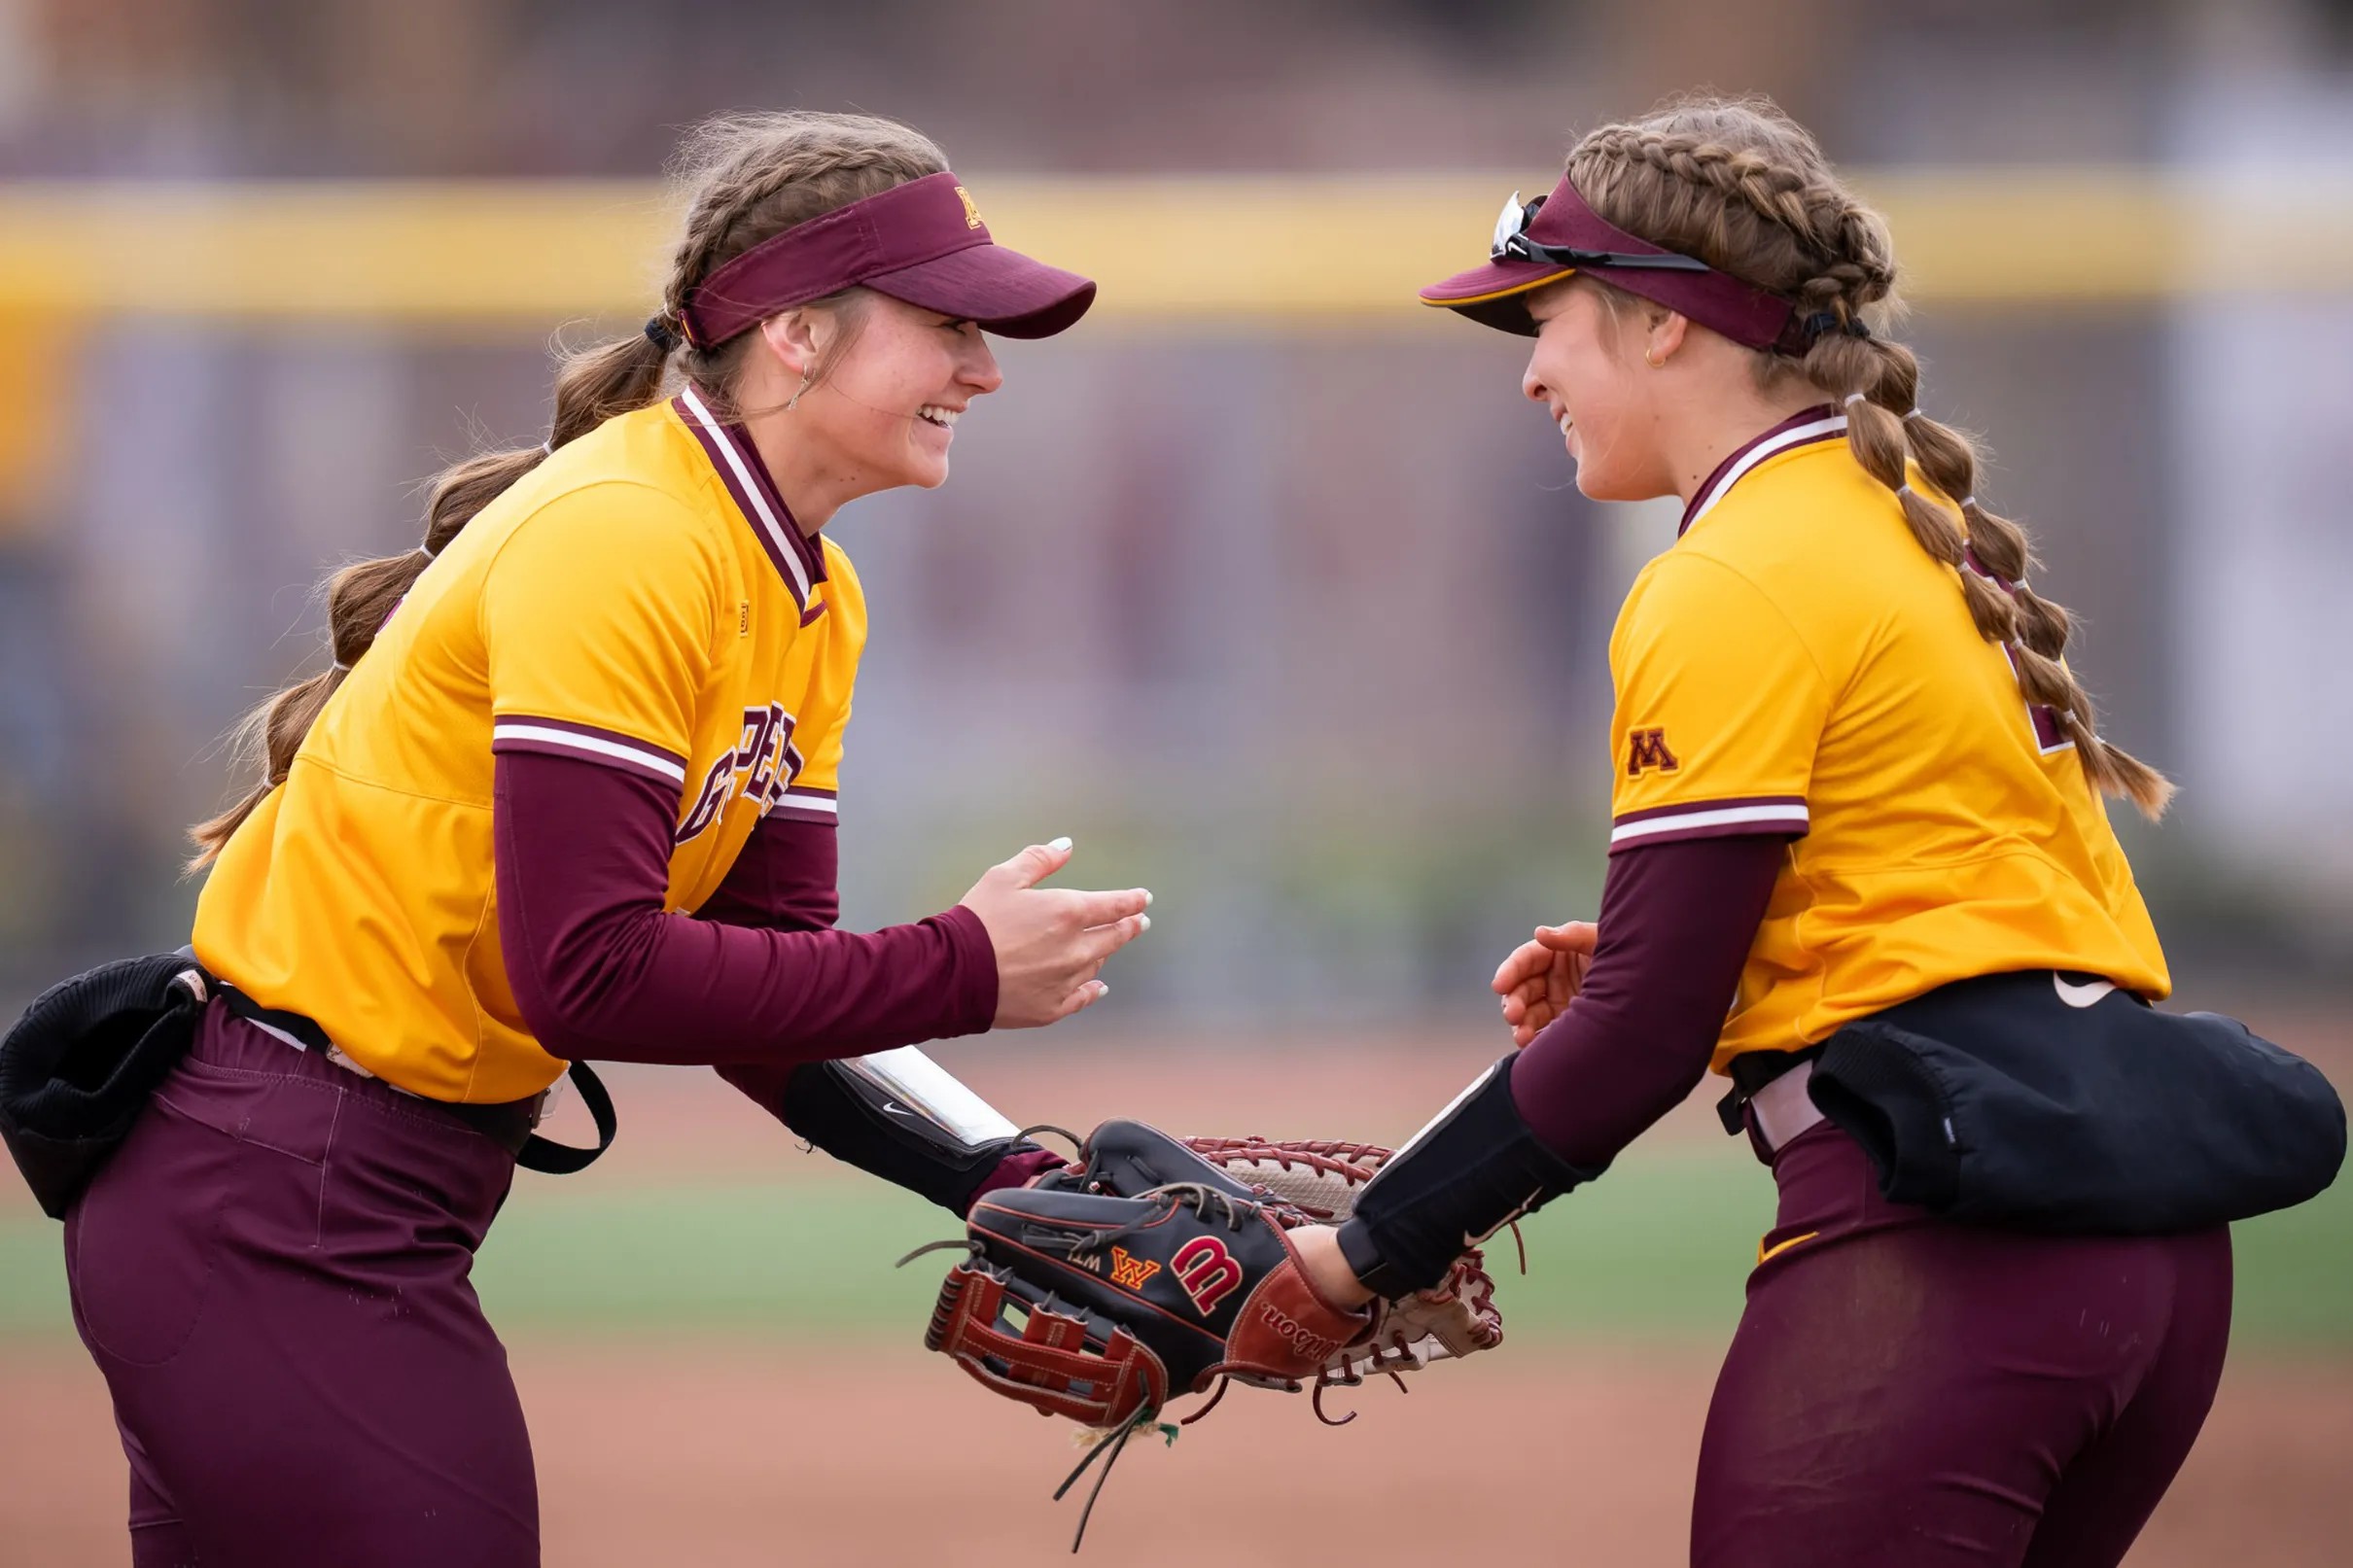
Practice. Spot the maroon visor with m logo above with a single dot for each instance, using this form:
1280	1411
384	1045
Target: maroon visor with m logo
923	242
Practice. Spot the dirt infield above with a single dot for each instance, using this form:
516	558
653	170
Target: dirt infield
719	1452
720	1457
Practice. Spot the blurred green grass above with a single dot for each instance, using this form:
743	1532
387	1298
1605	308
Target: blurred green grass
1657	1249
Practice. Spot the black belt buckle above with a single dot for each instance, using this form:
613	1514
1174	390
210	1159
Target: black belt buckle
1750	1072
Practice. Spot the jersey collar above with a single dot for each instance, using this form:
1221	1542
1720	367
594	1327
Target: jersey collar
1821	423
797	558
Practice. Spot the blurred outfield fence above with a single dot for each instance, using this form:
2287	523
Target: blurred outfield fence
1265	586
1166	251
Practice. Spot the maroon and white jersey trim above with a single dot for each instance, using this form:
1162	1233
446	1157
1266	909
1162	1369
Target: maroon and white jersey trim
1818	424
556	737
1770	814
807	803
746	480
2049	738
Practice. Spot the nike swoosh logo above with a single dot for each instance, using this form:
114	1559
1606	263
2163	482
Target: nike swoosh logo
893	1108
2084	995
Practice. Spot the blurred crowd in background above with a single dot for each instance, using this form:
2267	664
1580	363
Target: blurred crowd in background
1300	622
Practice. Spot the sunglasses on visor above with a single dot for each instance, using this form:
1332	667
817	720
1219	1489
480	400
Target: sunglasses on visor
1512	244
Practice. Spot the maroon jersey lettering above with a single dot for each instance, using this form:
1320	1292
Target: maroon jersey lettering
760	769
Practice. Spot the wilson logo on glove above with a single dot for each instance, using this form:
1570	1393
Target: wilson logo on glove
1129	1272
1297	1335
1208	1271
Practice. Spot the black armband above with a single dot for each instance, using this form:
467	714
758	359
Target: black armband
857	1121
1459	1181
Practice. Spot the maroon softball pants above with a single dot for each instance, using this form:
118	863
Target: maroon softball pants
1908	1392
271	1272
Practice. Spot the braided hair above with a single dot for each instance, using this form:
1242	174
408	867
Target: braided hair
1738	184
748	177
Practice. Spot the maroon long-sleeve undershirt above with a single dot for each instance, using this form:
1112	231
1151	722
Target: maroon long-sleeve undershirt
785	879
1676	923
602	973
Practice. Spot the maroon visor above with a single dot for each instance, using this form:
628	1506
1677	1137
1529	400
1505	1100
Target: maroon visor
922	242
1553	237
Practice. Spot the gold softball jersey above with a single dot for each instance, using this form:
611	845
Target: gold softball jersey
640	601
1797	663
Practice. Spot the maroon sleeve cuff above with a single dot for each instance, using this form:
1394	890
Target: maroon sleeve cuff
972	974
1016	1170
1677	921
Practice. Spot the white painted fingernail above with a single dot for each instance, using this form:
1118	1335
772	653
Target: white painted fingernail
1144	923
1102	988
1148	898
1058	844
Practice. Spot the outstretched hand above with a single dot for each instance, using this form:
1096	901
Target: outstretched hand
1050	942
1540	978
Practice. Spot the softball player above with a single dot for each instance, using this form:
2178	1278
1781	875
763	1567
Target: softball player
1851	769
606	693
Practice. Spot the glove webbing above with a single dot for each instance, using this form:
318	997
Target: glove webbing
1044	1361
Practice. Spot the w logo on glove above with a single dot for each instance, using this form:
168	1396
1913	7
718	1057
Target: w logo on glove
1208	1271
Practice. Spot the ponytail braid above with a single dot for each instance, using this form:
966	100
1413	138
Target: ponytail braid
753	177
1740	186
1876	381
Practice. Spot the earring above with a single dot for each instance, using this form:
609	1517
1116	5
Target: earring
795	401
1650	358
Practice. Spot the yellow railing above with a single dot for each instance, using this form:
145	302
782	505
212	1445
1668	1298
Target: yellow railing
526	256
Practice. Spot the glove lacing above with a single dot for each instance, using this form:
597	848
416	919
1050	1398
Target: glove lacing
1115	1445
1198	1195
1030	1133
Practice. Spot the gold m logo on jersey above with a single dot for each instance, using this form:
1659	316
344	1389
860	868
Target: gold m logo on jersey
972	212
1208	1271
1129	1272
1646	748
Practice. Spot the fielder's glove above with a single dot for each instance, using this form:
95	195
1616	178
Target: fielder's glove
1309	1183
1157	1267
1103	1307
1454	1318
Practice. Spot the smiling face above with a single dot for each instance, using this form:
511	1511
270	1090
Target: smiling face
1588	371
884	413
